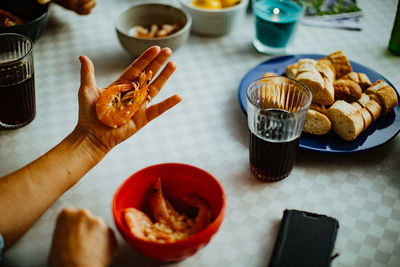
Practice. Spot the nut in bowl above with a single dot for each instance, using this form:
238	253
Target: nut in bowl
215	17
194	196
147	24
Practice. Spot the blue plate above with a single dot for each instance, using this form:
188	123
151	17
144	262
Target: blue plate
378	133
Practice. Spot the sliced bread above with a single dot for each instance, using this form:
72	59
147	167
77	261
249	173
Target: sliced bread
324	67
316	123
321	89
384	94
347	90
346	121
364	99
360	78
356	105
374	109
318	107
291	71
269	74
366	117
341	63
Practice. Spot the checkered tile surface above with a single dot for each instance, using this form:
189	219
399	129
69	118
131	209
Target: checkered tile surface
208	130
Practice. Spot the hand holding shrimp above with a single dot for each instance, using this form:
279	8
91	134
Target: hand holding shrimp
149	62
81	150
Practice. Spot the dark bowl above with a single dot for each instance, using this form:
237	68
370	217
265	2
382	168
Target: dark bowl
34	15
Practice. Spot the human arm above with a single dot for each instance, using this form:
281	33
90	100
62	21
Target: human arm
26	193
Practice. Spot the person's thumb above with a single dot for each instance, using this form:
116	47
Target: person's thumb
87	72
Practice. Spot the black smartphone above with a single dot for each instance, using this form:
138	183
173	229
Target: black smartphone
304	239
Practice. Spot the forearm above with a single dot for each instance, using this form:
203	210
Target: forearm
27	193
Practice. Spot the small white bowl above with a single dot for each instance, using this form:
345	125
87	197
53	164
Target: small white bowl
214	22
146	14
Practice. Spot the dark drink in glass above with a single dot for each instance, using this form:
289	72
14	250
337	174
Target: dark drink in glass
17	103
17	82
272	161
276	111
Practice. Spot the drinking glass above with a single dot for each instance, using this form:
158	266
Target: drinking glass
17	82
276	22
276	110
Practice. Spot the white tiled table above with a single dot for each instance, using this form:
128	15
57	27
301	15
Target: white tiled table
208	130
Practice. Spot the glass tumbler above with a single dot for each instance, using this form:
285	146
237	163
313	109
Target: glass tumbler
17	82
276	111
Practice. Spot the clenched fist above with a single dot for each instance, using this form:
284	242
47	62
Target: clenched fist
81	239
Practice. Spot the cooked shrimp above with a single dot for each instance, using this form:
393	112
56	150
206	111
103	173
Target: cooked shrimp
142	227
169	225
164	212
118	103
137	222
204	213
161	209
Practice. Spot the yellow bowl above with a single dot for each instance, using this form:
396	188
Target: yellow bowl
215	22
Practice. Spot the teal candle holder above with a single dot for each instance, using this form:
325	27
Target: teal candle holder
275	24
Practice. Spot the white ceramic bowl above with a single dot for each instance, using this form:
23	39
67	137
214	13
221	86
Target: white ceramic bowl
215	22
146	14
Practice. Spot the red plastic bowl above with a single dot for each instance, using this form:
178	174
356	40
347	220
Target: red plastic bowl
177	179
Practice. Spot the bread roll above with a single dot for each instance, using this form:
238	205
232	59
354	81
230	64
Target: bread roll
375	86
323	67
269	74
356	105
316	123
291	71
347	90
306	64
346	121
363	100
326	61
374	109
366	117
364	81
321	88
360	78
318	107
341	63
384	94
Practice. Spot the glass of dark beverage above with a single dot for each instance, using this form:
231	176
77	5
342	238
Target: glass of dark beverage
17	82
276	110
